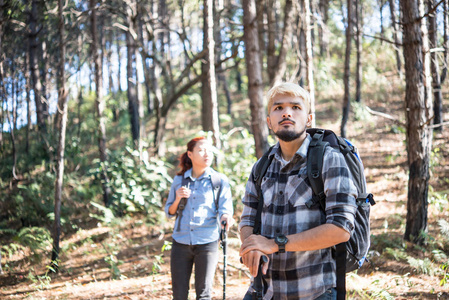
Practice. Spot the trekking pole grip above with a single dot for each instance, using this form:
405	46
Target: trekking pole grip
258	281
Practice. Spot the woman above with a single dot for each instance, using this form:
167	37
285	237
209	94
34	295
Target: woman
200	209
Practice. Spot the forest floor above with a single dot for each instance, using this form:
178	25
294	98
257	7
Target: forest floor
126	261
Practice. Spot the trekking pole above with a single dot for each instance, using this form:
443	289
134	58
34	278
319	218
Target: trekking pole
258	280
223	237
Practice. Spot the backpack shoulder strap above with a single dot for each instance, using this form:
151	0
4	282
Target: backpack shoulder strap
217	185
315	156
258	174
184	180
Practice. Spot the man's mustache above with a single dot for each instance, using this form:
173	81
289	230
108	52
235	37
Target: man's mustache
287	119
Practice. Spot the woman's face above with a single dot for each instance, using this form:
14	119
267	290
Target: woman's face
202	155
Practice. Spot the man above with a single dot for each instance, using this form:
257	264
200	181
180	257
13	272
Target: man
297	239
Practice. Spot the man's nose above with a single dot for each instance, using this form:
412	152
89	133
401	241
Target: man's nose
287	113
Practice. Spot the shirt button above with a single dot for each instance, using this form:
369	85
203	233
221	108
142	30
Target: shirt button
281	193
279	211
278	230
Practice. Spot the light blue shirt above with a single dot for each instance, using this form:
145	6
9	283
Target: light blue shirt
200	217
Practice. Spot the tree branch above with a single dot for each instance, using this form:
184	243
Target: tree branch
384	115
382	39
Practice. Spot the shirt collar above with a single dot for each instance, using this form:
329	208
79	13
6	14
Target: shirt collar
207	173
302	151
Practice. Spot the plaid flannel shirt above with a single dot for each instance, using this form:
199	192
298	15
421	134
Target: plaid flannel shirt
308	274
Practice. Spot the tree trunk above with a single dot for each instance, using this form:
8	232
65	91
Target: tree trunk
8	119
418	109
394	27
99	105
133	105
309	58
359	44
44	63
119	64
209	85
302	69
323	31
445	39
260	10
34	68
281	63
4	96
13	122
347	97
253	67
435	68
62	103
221	77
28	99
271	45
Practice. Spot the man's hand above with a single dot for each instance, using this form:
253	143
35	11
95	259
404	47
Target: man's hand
252	259
253	247
258	242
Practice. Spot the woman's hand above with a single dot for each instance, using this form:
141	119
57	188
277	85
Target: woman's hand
229	221
183	192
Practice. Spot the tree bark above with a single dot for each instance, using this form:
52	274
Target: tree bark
253	67
209	84
435	68
281	63
260	11
99	105
445	39
34	68
394	27
271	45
221	77
323	30
418	102
133	103
359	44
62	104
347	75
28	100
309	58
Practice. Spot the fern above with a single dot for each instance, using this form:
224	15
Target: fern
36	238
423	266
444	228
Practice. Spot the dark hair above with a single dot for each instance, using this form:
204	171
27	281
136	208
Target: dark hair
185	162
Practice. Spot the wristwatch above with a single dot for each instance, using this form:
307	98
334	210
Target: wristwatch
281	240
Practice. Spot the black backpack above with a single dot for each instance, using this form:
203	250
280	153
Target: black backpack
352	254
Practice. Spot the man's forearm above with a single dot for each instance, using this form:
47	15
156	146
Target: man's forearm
245	232
320	237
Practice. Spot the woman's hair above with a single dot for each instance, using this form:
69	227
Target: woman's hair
185	162
288	89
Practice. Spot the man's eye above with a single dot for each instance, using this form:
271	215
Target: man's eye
296	107
277	108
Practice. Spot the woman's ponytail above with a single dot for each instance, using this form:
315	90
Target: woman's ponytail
185	163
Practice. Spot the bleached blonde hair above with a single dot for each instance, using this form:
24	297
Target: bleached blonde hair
288	89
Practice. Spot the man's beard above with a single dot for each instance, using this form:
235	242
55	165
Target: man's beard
288	135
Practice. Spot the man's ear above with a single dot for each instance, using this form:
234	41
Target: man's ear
309	120
268	122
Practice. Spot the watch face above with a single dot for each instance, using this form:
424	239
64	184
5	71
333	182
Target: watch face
281	239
